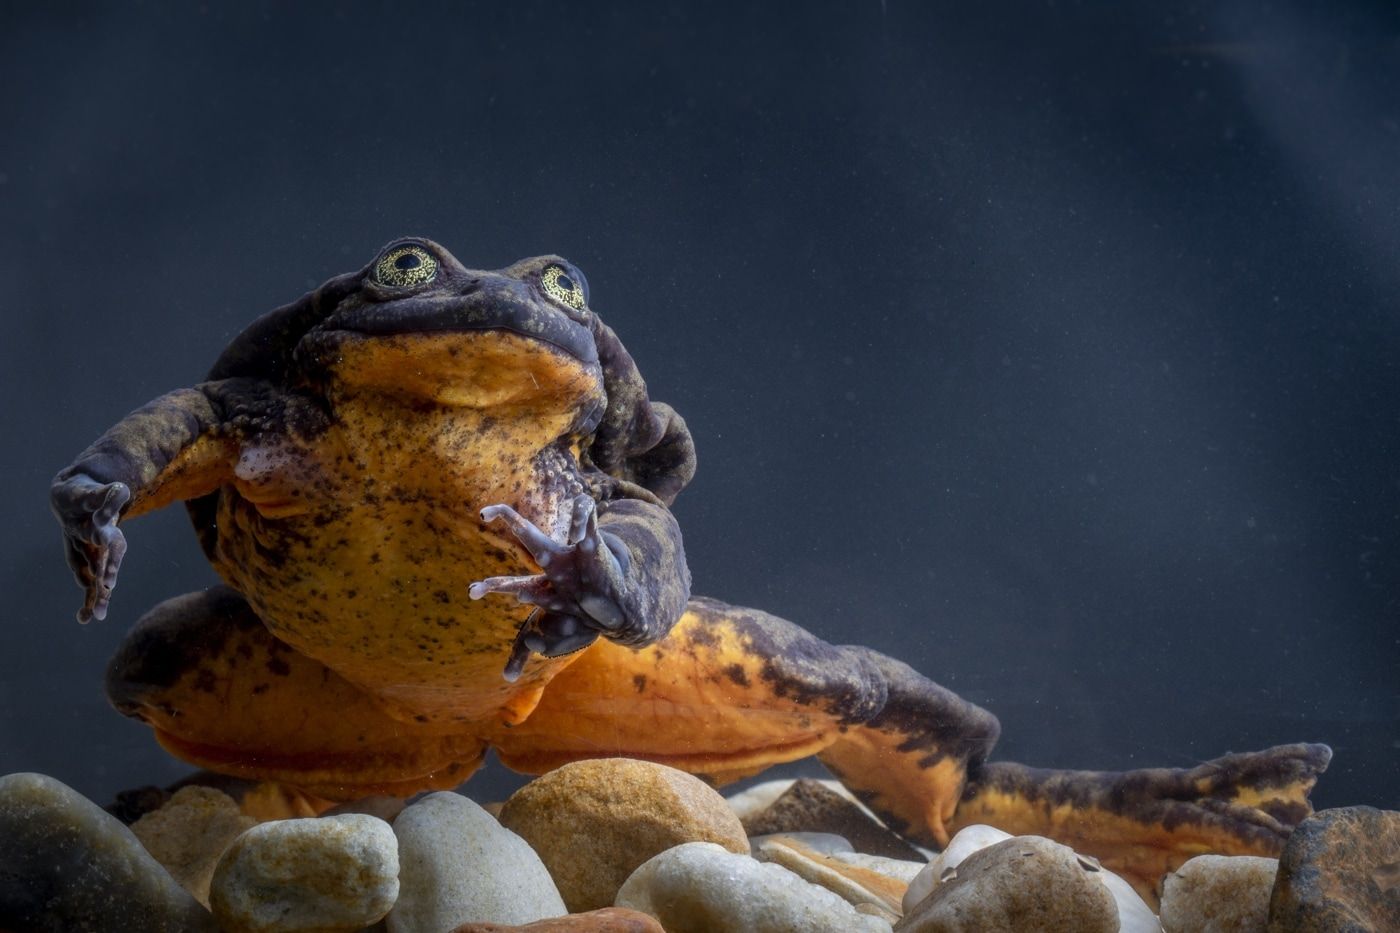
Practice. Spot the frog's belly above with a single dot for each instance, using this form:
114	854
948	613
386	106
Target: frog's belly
380	597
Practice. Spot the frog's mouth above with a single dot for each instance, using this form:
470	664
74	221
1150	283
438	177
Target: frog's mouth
483	368
486	304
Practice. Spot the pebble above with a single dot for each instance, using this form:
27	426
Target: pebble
607	920
811	806
328	874
1022	883
968	840
825	843
1134	916
874	893
701	887
593	822
66	864
189	832
890	867
1339	871
458	865
753	800
1218	894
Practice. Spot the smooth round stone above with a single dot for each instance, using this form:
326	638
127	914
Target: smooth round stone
329	874
1022	883
66	864
701	887
1218	894
1134	915
189	832
458	865
593	822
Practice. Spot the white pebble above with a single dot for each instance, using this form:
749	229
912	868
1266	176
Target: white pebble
458	865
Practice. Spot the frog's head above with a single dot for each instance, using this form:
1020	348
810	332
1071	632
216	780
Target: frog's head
416	324
423	326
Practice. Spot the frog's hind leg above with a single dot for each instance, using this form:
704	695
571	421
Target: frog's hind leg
1141	823
222	693
1144	823
731	691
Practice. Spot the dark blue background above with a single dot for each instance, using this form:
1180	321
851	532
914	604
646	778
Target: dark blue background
1050	347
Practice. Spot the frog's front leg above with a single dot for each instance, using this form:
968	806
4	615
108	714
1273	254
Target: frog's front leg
167	450
622	575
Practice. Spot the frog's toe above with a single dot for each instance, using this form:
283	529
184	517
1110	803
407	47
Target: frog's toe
541	546
534	589
585	519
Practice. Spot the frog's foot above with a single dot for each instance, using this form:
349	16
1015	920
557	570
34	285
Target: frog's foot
224	694
1143	824
578	593
88	511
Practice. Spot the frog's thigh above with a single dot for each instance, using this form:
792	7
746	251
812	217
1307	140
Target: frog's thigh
727	693
224	694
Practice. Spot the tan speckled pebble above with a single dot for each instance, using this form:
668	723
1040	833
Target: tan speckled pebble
188	834
1019	884
336	873
1218	894
593	822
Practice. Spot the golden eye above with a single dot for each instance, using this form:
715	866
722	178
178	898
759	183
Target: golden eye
406	266
559	285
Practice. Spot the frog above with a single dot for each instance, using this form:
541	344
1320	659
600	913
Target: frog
439	499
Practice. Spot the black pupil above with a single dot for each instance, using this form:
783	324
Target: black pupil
407	261
565	283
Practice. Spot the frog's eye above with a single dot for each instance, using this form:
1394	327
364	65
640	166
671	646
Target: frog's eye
406	266
562	287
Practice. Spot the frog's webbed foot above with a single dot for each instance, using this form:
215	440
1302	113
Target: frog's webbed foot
577	594
88	511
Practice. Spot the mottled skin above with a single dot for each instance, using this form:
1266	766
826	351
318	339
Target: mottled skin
439	500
